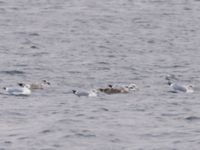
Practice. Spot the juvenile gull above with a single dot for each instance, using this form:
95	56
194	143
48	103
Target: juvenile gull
21	90
91	93
34	86
115	90
111	90
180	88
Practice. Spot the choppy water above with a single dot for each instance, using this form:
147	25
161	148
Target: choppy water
83	44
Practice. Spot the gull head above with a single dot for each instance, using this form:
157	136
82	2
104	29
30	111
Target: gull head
132	87
24	85
110	86
190	89
93	93
169	83
46	82
74	91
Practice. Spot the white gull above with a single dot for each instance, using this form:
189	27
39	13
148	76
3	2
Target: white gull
91	93
176	87
18	91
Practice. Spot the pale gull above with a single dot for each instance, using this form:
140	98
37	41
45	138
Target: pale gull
18	91
176	87
91	93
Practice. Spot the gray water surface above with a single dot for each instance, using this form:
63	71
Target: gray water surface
84	44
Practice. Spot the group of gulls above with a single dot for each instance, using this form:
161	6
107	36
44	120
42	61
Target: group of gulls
25	89
110	89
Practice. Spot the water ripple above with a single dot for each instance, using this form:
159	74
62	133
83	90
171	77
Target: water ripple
12	72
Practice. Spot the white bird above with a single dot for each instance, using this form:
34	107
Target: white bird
18	91
91	93
34	86
131	87
180	88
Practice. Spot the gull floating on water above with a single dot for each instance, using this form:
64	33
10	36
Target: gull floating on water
91	93
34	86
22	90
115	90
111	90
180	88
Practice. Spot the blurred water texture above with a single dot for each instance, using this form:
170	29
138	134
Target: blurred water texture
84	44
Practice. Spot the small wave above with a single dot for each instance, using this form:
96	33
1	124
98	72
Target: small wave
85	135
79	115
13	135
100	109
34	47
104	109
169	114
103	68
103	63
103	47
192	118
7	142
12	72
115	140
74	72
111	56
40	54
46	131
34	34
21	65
